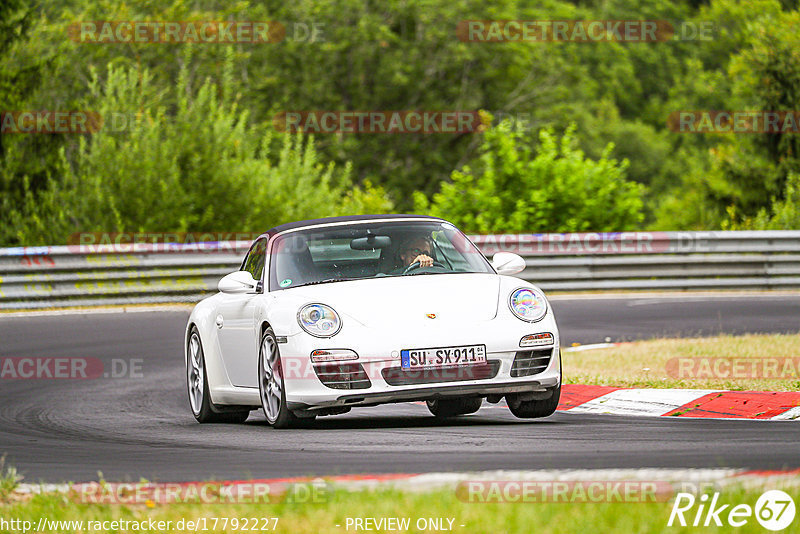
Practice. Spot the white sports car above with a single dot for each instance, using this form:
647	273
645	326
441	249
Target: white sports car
333	313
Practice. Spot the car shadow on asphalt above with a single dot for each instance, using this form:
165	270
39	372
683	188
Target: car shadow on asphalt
384	422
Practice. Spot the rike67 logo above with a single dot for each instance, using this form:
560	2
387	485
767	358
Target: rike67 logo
774	510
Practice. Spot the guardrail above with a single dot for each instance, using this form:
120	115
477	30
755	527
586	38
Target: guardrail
47	277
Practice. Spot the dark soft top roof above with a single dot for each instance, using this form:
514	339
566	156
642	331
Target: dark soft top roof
311	222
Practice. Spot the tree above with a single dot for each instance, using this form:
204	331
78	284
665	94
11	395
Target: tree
203	167
513	188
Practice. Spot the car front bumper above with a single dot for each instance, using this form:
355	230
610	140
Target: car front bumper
379	353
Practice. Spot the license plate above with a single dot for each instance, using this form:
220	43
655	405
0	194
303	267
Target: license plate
442	356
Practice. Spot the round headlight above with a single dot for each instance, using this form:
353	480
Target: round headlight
319	320
528	304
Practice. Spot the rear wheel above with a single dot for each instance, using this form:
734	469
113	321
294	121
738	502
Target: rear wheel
454	407
203	409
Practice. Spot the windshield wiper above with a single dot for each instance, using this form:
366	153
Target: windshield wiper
326	281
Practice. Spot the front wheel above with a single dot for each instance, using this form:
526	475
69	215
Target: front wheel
203	409
535	408
454	407
271	384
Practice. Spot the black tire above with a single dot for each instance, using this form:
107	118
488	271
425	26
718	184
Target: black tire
453	407
536	408
283	417
208	412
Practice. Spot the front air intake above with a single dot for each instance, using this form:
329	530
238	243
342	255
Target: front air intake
531	362
342	375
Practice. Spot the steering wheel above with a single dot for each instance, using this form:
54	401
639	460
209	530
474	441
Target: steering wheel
416	265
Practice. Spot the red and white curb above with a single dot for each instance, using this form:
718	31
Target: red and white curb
695	403
698	478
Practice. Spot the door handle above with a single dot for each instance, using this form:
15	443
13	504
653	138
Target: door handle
219	321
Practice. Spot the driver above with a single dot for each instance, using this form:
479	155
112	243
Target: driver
417	249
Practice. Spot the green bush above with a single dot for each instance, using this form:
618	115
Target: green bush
512	187
202	167
783	213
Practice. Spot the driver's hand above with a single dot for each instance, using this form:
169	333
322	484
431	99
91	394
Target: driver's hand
424	261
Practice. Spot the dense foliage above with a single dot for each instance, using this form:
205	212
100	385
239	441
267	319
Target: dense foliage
514	188
585	146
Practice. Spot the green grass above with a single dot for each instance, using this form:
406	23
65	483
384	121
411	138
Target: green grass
645	364
541	518
9	479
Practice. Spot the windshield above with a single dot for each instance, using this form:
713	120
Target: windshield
373	250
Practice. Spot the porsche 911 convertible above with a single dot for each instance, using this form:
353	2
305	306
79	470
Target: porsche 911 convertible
329	314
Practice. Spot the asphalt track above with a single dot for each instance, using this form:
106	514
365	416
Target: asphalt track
128	428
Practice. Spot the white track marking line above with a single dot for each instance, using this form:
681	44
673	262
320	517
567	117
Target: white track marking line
641	401
790	415
131	308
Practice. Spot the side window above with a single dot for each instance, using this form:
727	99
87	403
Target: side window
243	267
254	263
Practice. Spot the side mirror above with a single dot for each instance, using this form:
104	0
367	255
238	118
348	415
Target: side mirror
508	263
238	282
